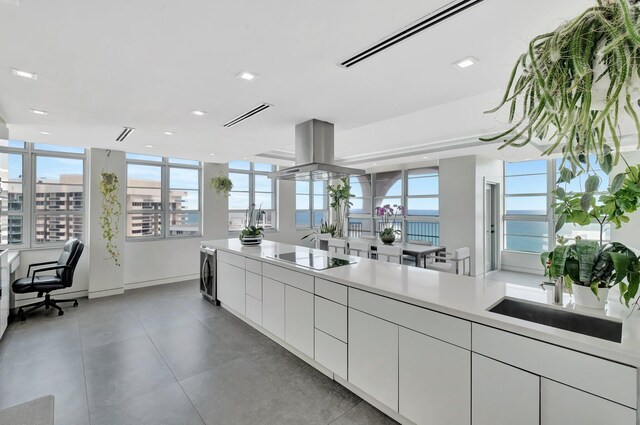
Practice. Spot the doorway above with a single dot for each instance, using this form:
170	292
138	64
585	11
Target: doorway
491	241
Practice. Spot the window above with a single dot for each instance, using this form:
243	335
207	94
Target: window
423	205
43	193
251	184
163	199
526	200
416	189
311	204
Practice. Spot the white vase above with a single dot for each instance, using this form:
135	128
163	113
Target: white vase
583	296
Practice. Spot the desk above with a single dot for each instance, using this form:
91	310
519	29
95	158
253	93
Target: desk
417	251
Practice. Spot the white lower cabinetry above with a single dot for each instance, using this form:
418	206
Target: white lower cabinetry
373	357
231	286
331	353
298	322
434	380
254	310
273	307
502	394
562	405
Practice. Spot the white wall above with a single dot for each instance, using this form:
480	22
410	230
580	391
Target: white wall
4	131
287	232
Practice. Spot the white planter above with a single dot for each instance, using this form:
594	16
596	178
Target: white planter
584	297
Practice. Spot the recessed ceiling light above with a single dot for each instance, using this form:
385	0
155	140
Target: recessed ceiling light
39	112
148	146
244	157
24	74
46	133
247	76
212	154
465	63
374	164
198	112
169	133
425	157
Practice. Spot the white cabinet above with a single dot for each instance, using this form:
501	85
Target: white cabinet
254	285
273	306
503	395
434	380
331	353
231	286
373	357
561	405
331	318
298	329
254	310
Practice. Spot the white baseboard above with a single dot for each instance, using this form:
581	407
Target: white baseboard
154	282
106	293
522	269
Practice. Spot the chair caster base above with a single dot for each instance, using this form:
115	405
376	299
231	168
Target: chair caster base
21	316
75	304
60	313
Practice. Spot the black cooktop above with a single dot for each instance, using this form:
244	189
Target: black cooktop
312	261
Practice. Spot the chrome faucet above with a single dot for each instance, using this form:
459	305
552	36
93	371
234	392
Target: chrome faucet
557	289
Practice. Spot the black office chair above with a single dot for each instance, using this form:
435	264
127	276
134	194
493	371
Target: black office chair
65	267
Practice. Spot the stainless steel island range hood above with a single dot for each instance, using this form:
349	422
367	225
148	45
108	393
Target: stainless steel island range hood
314	155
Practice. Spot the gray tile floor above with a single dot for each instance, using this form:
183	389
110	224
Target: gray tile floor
162	355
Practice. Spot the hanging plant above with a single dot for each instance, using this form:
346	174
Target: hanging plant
111	212
221	184
573	84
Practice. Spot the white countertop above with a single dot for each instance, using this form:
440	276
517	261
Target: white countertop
460	296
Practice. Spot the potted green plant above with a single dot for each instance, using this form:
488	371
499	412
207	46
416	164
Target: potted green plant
572	83
221	184
590	268
388	215
325	230
339	196
111	212
252	232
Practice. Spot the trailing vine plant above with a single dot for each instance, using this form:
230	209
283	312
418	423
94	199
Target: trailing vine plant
572	85
111	212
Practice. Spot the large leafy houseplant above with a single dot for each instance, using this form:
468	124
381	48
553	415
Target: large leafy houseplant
594	263
111	212
339	195
573	85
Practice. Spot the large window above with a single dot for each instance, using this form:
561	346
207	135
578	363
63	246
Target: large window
251	185
526	197
311	204
163	197
43	198
416	189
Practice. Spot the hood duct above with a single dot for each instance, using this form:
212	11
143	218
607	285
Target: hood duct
314	155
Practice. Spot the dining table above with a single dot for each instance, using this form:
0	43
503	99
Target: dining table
416	250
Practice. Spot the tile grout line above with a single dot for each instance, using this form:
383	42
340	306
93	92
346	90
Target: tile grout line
170	371
84	372
348	410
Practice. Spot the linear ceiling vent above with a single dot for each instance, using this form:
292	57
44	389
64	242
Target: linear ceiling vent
125	133
442	14
239	119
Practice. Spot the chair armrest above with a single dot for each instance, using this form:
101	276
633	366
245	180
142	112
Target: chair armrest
39	264
46	269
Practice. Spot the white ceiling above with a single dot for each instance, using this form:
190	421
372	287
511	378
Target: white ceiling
147	63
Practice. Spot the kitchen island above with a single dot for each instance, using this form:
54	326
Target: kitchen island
421	346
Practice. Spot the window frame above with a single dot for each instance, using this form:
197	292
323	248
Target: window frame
251	172
312	210
165	189
29	181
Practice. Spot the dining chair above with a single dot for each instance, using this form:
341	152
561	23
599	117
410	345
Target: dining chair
320	237
390	254
450	261
360	248
338	246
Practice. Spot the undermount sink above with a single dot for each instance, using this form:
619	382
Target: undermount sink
597	327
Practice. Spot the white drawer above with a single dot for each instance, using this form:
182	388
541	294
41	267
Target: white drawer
290	277
601	377
331	318
332	291
233	259
331	353
254	285
254	310
254	266
437	325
